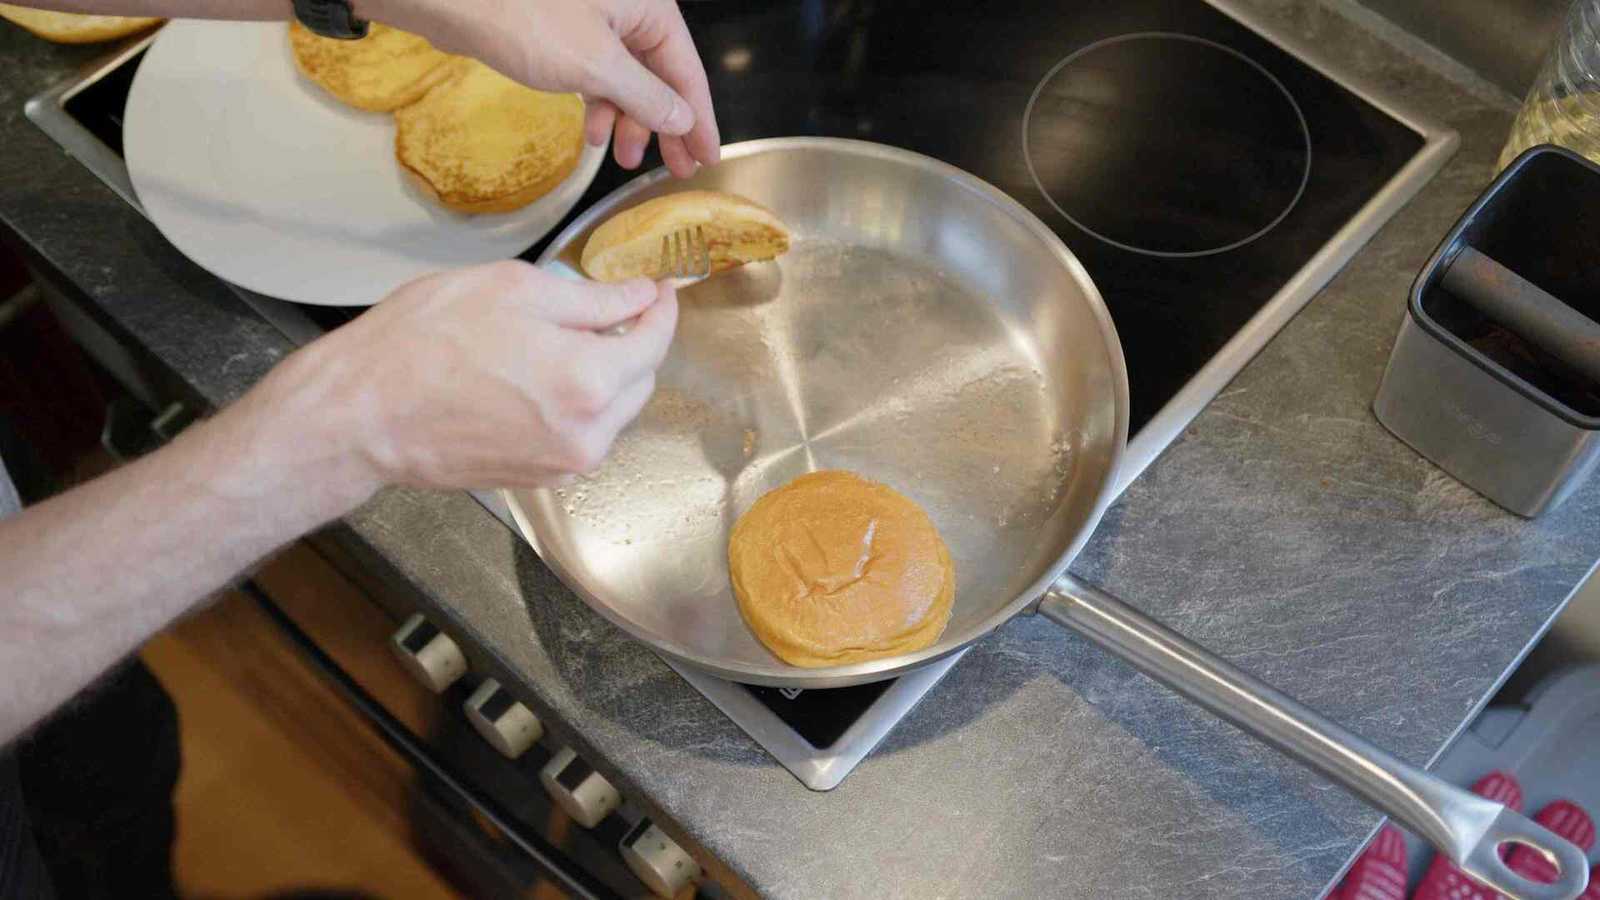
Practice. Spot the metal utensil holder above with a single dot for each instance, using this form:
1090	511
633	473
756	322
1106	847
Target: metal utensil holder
1495	375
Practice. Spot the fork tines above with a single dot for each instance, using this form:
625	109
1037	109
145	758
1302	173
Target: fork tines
685	254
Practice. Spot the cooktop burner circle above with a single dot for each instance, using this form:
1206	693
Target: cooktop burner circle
1167	144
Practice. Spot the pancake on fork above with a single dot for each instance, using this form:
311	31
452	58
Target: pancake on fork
736	231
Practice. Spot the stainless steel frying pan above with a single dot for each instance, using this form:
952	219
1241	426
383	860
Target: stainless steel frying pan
929	332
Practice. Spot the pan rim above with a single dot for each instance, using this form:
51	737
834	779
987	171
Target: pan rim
779	674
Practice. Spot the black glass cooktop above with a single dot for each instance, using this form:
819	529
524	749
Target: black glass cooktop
1192	165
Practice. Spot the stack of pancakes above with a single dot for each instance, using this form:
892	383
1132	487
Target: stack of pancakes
474	139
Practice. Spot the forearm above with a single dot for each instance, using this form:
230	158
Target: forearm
240	10
244	10
88	575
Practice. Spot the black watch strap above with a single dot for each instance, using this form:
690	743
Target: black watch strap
330	18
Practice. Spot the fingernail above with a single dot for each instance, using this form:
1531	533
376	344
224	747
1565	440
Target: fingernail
681	119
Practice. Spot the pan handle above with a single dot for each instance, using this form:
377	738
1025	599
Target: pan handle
1465	827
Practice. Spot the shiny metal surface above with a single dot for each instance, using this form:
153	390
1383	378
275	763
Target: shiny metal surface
924	330
1487	435
1461	824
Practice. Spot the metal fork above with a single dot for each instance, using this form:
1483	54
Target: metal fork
685	257
685	260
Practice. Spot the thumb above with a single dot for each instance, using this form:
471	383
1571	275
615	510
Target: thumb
644	97
594	305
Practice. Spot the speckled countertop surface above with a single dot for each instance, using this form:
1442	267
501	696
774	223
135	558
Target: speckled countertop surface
1286	530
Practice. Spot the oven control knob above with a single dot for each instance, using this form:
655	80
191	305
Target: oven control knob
428	654
578	789
507	725
660	863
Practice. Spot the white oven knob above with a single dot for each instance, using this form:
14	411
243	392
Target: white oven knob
428	654
578	789
660	863
507	725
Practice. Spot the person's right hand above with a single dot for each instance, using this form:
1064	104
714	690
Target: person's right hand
495	376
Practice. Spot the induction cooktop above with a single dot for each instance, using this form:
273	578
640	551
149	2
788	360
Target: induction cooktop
1210	175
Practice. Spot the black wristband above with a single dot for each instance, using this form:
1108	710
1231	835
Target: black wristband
330	18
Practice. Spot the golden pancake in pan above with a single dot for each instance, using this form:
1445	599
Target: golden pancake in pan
832	569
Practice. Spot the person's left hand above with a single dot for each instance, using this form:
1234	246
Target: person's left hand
633	60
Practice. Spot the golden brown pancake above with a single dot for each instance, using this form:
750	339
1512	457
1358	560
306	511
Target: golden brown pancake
482	143
383	71
832	569
736	231
72	28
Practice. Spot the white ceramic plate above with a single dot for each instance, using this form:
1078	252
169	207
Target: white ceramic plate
266	181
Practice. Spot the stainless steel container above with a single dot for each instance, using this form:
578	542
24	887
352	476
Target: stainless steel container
1488	404
1473	422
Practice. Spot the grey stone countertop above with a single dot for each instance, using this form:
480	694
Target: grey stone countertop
1285	529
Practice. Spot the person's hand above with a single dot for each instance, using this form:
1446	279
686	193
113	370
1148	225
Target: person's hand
495	376
633	61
